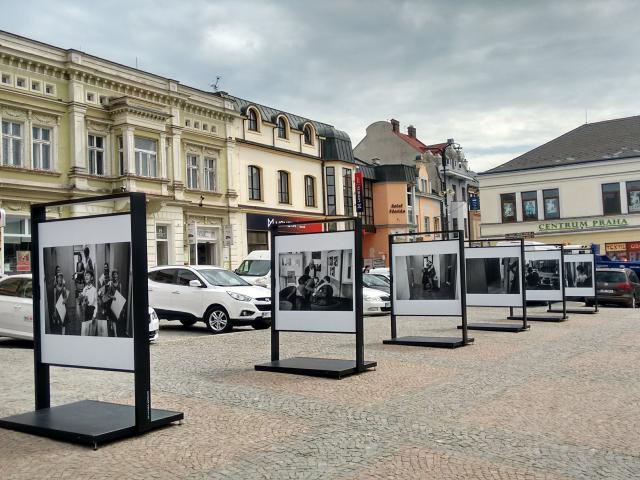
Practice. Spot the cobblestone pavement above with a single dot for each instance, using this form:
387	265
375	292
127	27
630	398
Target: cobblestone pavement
561	401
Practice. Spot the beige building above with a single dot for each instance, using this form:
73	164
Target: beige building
288	168
580	188
216	169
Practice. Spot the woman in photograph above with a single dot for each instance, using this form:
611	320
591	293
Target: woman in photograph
88	263
115	322
59	291
428	275
89	301
582	279
323	294
78	276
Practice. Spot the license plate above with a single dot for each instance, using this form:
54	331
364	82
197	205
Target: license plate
266	314
387	304
605	291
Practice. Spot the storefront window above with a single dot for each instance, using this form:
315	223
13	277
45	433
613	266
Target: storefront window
551	199
611	198
508	207
17	245
529	206
257	241
633	196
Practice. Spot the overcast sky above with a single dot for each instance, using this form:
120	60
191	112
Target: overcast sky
499	77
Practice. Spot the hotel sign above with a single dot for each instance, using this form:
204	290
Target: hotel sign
596	223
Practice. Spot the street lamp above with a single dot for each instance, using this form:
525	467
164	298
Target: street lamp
445	193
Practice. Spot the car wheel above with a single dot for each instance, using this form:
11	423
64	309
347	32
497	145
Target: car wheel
261	324
217	320
188	322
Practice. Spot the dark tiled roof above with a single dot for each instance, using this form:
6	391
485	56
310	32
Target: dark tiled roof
591	142
337	145
387	173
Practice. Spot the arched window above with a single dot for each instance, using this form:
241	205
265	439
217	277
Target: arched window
308	135
255	190
252	117
282	128
283	186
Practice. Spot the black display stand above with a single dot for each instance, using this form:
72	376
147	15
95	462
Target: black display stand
318	367
549	318
434	342
582	311
91	422
504	327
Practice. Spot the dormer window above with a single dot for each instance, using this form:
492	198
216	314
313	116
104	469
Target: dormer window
252	118
308	135
282	128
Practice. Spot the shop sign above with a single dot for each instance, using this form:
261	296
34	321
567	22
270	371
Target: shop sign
583	224
23	261
264	222
616	247
227	233
633	246
519	235
397	208
474	203
359	179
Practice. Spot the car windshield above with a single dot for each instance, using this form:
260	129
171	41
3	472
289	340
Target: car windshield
222	278
611	277
374	280
254	268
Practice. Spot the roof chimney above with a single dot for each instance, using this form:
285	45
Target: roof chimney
395	125
411	130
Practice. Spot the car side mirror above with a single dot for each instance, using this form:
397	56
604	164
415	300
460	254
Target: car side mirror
195	283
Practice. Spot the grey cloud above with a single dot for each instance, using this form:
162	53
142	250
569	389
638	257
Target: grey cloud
499	77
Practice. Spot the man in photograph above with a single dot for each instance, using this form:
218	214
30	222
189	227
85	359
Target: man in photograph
428	275
532	277
88	300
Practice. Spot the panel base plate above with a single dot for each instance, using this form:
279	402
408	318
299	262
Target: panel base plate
88	422
496	327
435	342
539	318
316	367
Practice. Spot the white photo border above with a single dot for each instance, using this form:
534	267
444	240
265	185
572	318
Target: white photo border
545	295
491	299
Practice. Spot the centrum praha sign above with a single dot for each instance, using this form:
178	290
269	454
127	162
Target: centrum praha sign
583	224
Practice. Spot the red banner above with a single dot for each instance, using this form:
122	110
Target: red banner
359	179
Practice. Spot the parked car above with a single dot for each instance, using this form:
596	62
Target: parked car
16	309
384	271
213	295
375	302
620	286
376	282
256	268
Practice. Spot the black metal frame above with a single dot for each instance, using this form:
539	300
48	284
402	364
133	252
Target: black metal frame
437	342
63	422
501	327
322	367
548	318
582	251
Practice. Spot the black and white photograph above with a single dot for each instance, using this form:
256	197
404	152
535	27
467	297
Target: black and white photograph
426	277
542	274
493	275
578	274
87	290
316	280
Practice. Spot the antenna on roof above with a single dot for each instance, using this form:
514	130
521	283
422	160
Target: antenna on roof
586	120
215	84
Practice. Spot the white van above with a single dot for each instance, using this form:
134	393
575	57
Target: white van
256	268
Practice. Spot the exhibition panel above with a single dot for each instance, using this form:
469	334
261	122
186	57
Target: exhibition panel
316	284
87	272
427	279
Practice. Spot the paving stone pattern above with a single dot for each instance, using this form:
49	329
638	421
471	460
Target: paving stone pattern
561	401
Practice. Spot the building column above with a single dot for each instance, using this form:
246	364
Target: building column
162	156
176	156
624	206
77	138
128	147
231	184
540	205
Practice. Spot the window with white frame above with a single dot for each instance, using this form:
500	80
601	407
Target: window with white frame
6	79
36	86
162	244
210	174
192	171
96	155
146	156
12	133
49	89
41	148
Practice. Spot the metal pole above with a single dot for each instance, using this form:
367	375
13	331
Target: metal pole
562	278
41	370
275	334
524	286
463	289
444	179
394	331
358	295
